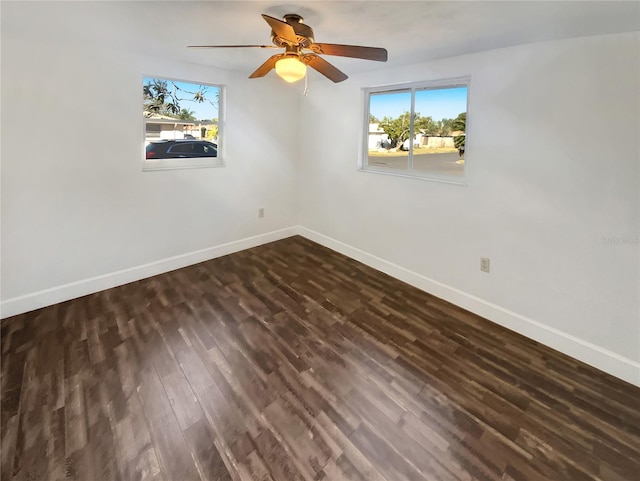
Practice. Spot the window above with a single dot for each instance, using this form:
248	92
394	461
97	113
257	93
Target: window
417	129
182	127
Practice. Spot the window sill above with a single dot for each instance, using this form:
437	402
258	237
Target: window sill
412	174
178	164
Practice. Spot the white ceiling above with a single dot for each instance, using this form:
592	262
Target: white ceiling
411	31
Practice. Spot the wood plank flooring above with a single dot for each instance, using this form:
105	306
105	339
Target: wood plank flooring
292	362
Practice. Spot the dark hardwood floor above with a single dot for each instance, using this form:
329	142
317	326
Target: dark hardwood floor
292	362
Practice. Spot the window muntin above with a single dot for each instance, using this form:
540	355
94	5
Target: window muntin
185	114
417	129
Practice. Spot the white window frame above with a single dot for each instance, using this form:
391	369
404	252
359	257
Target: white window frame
363	164
193	162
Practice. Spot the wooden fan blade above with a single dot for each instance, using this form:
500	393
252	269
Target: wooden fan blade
266	67
354	51
282	29
324	67
231	46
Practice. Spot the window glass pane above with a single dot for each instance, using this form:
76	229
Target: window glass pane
440	121
389	127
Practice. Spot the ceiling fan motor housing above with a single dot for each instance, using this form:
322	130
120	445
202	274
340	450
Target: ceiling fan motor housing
304	33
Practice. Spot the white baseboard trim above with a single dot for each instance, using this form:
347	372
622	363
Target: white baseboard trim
54	295
596	356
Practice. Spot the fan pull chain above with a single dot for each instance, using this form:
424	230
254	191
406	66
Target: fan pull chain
306	86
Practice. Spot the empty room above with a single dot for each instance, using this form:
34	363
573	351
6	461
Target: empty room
355	240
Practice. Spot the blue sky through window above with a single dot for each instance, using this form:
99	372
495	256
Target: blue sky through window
438	103
204	110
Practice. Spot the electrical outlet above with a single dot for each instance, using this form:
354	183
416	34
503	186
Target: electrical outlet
260	212
485	264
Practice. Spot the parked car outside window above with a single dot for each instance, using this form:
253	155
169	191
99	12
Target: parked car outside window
176	149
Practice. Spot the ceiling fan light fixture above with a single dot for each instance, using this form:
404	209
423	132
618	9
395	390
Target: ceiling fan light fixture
291	69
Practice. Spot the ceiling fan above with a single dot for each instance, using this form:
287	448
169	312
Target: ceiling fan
296	37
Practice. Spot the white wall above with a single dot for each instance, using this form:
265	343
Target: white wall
78	213
539	210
